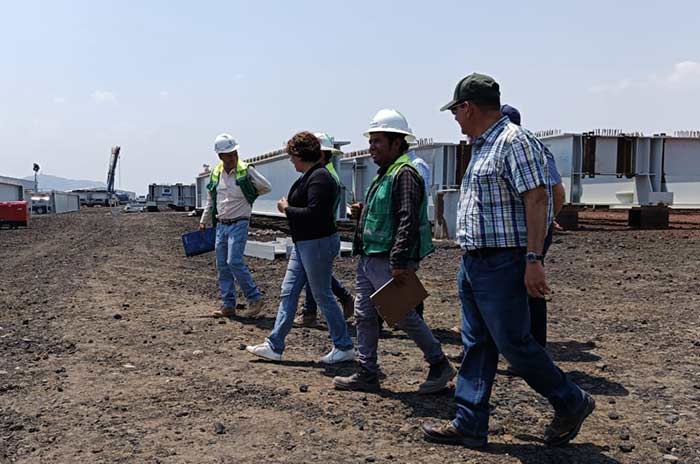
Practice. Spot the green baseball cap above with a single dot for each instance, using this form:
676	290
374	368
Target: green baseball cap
474	87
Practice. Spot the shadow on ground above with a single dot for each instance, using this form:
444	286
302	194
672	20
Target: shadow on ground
572	351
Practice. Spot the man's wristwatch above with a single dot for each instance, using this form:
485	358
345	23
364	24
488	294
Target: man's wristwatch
533	257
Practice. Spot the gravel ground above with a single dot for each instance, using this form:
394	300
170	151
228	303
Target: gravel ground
108	354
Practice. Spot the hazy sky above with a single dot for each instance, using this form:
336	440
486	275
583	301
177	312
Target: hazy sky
163	78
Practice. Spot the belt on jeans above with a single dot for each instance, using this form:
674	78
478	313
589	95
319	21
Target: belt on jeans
228	222
485	252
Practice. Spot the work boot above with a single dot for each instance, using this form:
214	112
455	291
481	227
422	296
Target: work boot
438	377
348	306
224	311
448	434
564	428
254	310
362	380
306	320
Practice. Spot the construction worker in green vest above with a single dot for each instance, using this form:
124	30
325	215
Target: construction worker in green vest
392	236
308	316
233	187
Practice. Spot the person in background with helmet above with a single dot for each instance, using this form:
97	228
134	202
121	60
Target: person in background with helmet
504	211
538	306
425	172
233	187
308	317
392	236
311	217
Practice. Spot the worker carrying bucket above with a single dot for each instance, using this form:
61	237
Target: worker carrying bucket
233	187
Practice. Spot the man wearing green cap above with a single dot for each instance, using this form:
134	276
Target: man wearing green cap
504	210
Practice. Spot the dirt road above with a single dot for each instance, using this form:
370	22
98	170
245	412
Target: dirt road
107	354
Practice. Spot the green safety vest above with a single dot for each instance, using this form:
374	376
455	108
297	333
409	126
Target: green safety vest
334	173
380	226
242	180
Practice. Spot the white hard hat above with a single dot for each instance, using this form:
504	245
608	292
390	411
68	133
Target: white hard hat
326	142
388	120
224	143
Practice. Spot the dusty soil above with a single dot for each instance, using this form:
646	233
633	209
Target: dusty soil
107	354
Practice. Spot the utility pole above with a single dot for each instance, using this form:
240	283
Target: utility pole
36	182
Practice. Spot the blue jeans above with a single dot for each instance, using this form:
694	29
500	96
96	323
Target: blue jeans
230	244
496	318
312	261
338	289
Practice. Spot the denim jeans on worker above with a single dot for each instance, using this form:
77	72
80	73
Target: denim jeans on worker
338	289
312	261
372	273
538	306
495	318
230	244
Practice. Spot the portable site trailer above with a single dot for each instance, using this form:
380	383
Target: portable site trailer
65	202
93	197
11	191
175	196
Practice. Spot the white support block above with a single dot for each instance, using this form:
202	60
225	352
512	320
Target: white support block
663	198
263	250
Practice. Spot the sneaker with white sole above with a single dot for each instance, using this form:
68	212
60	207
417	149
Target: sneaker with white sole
264	350
337	356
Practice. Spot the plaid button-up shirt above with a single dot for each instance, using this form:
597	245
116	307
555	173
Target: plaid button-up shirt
506	162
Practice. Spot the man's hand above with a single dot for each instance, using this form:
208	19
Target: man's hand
401	275
282	205
535	281
202	226
356	210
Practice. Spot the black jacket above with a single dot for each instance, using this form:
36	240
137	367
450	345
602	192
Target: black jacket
311	200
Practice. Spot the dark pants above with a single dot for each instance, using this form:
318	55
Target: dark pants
310	308
496	318
538	306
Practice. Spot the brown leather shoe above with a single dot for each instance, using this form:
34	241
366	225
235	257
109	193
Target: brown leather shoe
224	311
448	434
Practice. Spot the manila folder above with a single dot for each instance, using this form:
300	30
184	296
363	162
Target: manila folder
394	301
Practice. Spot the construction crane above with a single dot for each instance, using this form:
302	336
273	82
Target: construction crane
110	173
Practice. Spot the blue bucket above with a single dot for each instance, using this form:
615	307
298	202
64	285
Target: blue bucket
199	242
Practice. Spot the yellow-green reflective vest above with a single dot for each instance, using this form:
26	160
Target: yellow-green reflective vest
242	180
380	226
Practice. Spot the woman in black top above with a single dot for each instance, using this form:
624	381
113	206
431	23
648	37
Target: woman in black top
309	209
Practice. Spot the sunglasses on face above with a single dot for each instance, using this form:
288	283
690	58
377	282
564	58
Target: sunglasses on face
456	108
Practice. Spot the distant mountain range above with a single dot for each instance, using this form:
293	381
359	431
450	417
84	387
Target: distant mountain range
47	182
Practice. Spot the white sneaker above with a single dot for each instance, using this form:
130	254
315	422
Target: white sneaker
338	356
254	309
264	350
